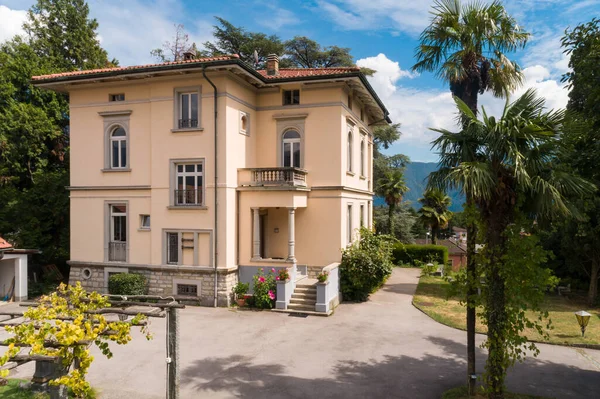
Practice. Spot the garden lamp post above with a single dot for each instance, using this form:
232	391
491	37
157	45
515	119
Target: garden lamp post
426	237
583	318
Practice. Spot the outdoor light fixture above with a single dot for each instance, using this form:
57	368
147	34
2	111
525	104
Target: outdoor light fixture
583	318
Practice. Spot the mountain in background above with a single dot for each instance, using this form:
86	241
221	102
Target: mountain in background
415	176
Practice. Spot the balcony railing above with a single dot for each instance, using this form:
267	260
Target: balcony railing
188	123
284	176
117	251
188	197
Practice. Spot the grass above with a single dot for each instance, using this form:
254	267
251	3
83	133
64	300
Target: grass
431	298
13	391
463	393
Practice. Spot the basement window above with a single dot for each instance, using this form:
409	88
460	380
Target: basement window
187	289
116	97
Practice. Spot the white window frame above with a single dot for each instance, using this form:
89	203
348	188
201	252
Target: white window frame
178	109
350	150
118	139
245	131
349	223
293	142
142	219
174	181
362	215
362	157
291	97
112	121
109	228
116	97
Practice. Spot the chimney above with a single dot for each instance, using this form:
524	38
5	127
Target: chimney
189	55
272	65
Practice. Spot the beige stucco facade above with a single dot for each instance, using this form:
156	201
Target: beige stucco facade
305	214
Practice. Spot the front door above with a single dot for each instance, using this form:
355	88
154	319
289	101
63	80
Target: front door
263	227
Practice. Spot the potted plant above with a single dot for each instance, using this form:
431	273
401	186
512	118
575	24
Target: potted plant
240	290
283	275
322	277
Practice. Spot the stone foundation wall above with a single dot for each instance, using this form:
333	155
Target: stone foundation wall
161	281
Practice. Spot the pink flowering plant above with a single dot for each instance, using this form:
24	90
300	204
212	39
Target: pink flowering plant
264	289
283	275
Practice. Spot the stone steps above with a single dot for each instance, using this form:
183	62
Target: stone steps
303	298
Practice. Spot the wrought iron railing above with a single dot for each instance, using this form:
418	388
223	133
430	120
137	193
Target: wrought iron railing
188	123
188	197
117	251
284	176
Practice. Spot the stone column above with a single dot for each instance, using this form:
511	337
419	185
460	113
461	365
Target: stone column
256	235
291	234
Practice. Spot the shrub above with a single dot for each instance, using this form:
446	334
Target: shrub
414	254
241	289
127	284
264	289
366	264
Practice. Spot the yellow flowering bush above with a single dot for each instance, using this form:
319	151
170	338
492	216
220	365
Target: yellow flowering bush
62	326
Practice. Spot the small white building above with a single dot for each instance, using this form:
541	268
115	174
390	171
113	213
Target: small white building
13	272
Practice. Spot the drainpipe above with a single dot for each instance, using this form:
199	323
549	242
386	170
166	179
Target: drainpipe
216	239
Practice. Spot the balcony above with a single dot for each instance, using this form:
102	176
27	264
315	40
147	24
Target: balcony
284	177
117	251
188	198
188	123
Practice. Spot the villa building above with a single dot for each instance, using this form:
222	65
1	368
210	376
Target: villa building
198	172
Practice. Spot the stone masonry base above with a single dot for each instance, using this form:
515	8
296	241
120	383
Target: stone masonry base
161	280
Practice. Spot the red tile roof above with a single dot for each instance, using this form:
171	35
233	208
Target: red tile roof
305	72
4	244
134	67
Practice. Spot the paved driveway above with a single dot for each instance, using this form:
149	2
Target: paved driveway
379	349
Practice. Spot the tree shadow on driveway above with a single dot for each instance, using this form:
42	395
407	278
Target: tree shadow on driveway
426	376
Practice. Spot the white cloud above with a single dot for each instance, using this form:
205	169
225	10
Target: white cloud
418	110
397	15
11	22
276	17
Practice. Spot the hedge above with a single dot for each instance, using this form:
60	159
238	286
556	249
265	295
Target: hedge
127	284
408	254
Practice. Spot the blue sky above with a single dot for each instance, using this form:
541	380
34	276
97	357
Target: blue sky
381	33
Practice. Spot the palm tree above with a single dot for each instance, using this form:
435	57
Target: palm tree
392	188
511	173
466	46
434	211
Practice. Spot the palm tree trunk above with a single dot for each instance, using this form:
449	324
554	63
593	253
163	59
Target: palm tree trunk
593	290
496	308
391	209
471	300
434	234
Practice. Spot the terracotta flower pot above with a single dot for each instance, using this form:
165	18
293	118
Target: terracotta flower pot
241	302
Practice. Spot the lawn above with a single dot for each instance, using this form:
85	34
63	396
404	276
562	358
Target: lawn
463	393
431	298
13	391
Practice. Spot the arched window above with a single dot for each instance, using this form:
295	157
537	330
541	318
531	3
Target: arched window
350	151
362	157
291	149
118	148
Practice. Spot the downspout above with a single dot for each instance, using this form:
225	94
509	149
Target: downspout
216	229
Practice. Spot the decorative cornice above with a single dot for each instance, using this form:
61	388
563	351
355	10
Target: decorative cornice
290	116
97	188
124	112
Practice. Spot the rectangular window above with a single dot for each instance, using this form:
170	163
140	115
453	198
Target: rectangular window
188	110
187	289
117	243
291	97
116	97
189	184
349	223
362	215
145	222
173	248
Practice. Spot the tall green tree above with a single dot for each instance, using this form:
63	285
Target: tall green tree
513	176
230	39
63	32
466	45
302	52
392	188
34	124
581	150
434	211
